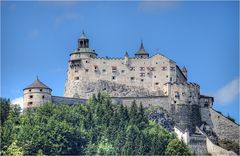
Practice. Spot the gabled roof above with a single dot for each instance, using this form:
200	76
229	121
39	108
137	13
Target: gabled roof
141	50
37	84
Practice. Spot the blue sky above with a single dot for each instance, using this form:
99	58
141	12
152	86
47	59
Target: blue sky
37	38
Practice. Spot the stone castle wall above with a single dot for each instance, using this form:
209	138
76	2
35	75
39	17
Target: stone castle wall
161	101
150	73
65	100
224	128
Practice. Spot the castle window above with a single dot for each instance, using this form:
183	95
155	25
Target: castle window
167	76
177	95
123	71
172	68
132	78
170	79
175	101
104	70
40	90
132	68
156	63
76	78
142	80
95	68
75	69
142	74
152	68
113	77
86	70
142	69
29	90
104	62
206	105
30	103
164	68
114	68
43	97
155	76
156	83
31	96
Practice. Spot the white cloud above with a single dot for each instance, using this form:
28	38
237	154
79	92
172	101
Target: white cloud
228	93
18	101
68	16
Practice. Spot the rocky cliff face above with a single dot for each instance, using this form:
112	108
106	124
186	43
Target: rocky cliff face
113	89
162	119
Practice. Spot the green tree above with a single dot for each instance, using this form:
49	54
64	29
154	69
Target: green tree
132	140
14	149
177	147
5	108
105	148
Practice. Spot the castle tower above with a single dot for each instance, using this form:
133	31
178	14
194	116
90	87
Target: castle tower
142	53
36	94
126	58
83	51
184	71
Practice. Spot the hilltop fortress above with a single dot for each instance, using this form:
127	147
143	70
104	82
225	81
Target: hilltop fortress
150	80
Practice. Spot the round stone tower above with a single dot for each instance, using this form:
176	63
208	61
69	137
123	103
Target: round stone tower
36	94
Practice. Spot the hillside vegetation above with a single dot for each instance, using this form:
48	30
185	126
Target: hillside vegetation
95	128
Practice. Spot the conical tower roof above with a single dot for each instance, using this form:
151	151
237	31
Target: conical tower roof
83	36
37	84
141	50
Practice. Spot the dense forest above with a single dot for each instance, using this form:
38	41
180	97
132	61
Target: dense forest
95	128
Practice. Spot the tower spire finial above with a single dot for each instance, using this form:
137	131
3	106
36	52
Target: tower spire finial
142	47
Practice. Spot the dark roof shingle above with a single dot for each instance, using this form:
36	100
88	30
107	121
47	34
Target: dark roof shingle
37	84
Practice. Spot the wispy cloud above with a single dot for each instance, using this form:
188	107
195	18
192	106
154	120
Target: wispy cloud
228	93
18	101
149	5
66	17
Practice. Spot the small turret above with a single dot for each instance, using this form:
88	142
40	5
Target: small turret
83	41
83	50
184	71
126	58
36	94
142	53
